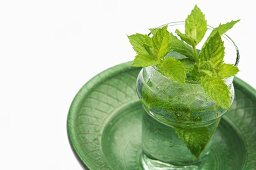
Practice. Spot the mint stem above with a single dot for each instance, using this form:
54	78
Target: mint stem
195	53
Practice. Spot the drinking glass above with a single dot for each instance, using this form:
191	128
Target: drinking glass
180	119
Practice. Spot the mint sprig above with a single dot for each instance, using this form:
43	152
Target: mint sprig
161	42
150	50
178	58
195	27
181	60
143	45
212	71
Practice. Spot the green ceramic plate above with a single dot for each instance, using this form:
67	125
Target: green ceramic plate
104	125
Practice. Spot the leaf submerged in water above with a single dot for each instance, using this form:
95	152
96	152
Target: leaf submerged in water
196	138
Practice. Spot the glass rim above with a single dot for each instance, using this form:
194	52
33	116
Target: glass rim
211	28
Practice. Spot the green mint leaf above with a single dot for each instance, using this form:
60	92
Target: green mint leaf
143	46
173	69
213	51
223	28
186	38
195	139
196	25
217	90
144	61
227	70
153	30
161	42
180	47
150	50
175	55
139	42
188	64
207	69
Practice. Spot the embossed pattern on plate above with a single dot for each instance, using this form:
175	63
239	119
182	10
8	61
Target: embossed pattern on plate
104	124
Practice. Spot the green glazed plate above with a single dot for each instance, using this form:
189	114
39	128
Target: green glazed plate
104	125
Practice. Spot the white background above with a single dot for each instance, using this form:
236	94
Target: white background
50	48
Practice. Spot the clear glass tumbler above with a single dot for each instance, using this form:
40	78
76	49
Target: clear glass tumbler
180	119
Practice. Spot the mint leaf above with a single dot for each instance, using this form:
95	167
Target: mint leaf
227	70
207	69
223	28
186	38
150	50
175	55
196	139
217	90
173	69
188	64
213	51
181	47
153	30
143	61
143	46
196	25
161	42
139	42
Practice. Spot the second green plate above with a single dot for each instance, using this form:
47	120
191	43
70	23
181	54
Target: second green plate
104	125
